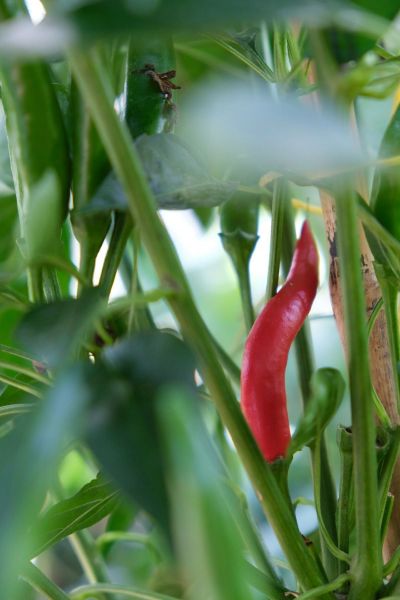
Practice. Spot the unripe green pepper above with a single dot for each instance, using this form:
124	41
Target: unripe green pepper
35	128
148	83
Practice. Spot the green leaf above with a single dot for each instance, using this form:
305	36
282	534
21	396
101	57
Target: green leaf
92	503
53	332
346	46
31	453
205	531
327	389
386	186
176	177
122	429
6	178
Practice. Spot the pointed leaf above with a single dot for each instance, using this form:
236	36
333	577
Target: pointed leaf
92	503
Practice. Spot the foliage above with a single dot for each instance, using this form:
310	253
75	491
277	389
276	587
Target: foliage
112	114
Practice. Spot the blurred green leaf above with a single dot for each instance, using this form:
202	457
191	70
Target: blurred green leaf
346	46
163	16
122	429
208	542
177	178
53	332
386	186
31	453
247	132
92	503
74	22
6	178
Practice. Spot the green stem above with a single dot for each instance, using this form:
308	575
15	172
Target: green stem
278	211
227	362
97	92
345	492
389	291
88	591
119	237
35	284
89	557
367	569
386	516
243	275
329	587
43	584
87	265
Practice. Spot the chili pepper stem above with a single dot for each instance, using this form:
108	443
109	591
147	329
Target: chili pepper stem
87	264
97	92
367	569
245	294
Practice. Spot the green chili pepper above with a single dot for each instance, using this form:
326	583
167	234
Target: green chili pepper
38	145
35	127
149	84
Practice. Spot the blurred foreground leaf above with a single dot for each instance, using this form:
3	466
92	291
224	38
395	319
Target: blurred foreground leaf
31	453
250	134
177	178
88	20
208	543
123	431
53	332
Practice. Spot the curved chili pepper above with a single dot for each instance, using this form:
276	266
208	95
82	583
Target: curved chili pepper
263	394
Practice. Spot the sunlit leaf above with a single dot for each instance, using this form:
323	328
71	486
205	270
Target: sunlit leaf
88	506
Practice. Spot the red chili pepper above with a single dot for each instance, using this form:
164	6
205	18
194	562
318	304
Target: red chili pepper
263	394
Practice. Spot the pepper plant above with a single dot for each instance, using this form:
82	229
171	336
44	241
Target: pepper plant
128	467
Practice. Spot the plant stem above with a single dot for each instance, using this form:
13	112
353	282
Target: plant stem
243	275
367	569
345	492
97	92
119	237
88	591
43	584
89	557
278	210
